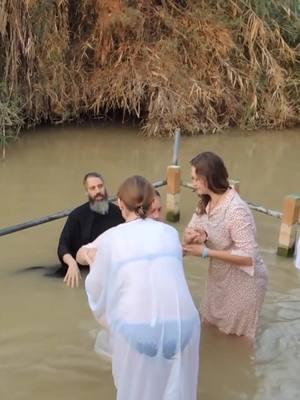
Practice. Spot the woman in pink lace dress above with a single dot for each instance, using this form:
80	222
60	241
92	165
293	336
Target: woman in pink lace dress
237	276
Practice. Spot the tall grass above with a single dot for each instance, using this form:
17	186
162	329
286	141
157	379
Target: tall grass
202	65
10	118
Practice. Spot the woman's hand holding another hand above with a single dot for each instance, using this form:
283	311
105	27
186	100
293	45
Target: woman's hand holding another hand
193	249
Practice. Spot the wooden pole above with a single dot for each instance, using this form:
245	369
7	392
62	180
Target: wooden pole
176	147
288	228
173	184
235	185
173	193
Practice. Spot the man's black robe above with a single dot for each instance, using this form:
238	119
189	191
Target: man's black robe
83	226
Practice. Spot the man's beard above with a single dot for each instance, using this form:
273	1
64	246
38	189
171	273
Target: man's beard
99	206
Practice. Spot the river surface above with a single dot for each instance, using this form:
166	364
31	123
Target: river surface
47	332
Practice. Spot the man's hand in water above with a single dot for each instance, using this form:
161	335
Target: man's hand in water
73	275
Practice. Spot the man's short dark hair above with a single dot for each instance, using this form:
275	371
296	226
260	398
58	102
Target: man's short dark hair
92	175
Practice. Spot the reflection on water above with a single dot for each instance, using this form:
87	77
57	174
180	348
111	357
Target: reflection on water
221	354
47	332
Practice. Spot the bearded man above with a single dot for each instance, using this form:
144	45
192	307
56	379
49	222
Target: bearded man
84	224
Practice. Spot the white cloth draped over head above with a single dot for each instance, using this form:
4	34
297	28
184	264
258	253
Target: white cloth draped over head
137	285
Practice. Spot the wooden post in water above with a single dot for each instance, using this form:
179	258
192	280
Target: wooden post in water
288	228
173	184
235	185
173	193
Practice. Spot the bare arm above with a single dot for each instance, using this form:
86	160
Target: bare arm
239	261
86	255
197	250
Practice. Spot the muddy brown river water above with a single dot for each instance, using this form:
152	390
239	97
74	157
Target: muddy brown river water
47	332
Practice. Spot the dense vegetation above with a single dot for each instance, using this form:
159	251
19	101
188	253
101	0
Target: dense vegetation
202	65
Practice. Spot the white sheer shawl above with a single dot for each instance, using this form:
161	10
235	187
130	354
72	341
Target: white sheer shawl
137	285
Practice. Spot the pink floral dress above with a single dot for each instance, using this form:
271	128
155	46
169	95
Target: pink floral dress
234	295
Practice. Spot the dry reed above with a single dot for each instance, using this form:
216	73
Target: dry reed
201	65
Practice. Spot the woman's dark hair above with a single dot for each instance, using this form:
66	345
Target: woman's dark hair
210	166
137	194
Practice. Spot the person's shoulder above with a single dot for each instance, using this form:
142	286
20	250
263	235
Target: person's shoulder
82	209
116	232
114	209
238	205
109	235
237	201
170	229
164	227
114	213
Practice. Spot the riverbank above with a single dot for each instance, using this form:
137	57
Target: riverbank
199	65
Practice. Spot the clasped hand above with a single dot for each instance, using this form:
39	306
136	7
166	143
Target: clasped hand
193	241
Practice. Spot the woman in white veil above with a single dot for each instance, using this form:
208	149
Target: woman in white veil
137	289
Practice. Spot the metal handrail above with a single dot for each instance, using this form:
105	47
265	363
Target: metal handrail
54	217
255	207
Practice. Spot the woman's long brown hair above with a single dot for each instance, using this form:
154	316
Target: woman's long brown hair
210	166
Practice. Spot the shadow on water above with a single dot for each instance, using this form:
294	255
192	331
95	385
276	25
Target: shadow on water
50	271
230	377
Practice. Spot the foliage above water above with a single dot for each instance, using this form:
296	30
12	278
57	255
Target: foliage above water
201	65
10	117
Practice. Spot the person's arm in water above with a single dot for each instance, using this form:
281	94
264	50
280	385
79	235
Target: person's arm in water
73	276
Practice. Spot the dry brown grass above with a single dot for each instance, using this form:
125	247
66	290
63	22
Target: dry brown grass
200	65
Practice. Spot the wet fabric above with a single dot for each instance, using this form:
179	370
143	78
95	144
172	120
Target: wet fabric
172	336
103	344
137	285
